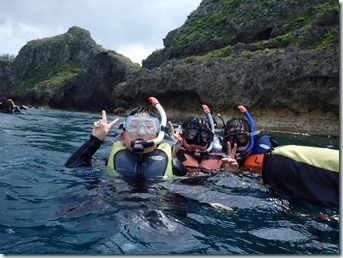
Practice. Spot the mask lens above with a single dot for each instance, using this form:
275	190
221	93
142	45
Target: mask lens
239	137
190	134
150	125
197	137
207	136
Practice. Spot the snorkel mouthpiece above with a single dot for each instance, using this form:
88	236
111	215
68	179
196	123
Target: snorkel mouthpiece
199	153
139	145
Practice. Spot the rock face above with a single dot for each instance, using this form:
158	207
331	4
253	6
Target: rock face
68	71
282	90
280	59
93	89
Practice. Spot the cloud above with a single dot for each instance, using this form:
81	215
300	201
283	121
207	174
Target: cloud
134	28
138	51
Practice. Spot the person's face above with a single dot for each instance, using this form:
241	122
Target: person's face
240	136
142	129
196	139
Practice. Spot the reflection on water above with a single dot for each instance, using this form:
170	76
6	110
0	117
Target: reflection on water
48	209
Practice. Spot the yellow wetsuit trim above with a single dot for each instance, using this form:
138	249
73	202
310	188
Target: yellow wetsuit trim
164	146
116	146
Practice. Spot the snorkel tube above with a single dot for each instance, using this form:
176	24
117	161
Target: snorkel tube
251	133
204	153
210	119
139	145
163	115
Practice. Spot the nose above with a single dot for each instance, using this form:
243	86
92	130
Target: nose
142	130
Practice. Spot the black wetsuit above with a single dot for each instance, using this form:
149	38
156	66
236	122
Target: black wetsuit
83	156
308	173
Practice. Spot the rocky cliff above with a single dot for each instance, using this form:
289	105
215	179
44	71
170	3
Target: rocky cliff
67	71
280	59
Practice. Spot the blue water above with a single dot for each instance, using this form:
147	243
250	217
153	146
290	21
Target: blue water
49	209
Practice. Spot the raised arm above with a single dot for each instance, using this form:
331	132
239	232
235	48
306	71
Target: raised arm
83	156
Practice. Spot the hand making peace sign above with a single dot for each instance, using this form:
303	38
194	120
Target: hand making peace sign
101	128
229	162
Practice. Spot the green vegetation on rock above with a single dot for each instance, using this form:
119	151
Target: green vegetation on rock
63	74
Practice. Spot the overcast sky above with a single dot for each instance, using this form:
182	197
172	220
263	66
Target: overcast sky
134	28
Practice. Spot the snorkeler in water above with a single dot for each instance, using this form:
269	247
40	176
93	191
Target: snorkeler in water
309	173
139	150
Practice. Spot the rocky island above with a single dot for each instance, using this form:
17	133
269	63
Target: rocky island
280	59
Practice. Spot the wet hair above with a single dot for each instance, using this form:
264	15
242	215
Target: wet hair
237	122
148	111
196	123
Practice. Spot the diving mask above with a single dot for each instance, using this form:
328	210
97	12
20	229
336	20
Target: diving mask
197	137
241	138
142	125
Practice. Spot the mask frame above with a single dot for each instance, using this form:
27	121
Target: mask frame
133	124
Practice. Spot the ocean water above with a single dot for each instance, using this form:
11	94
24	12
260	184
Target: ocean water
49	209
